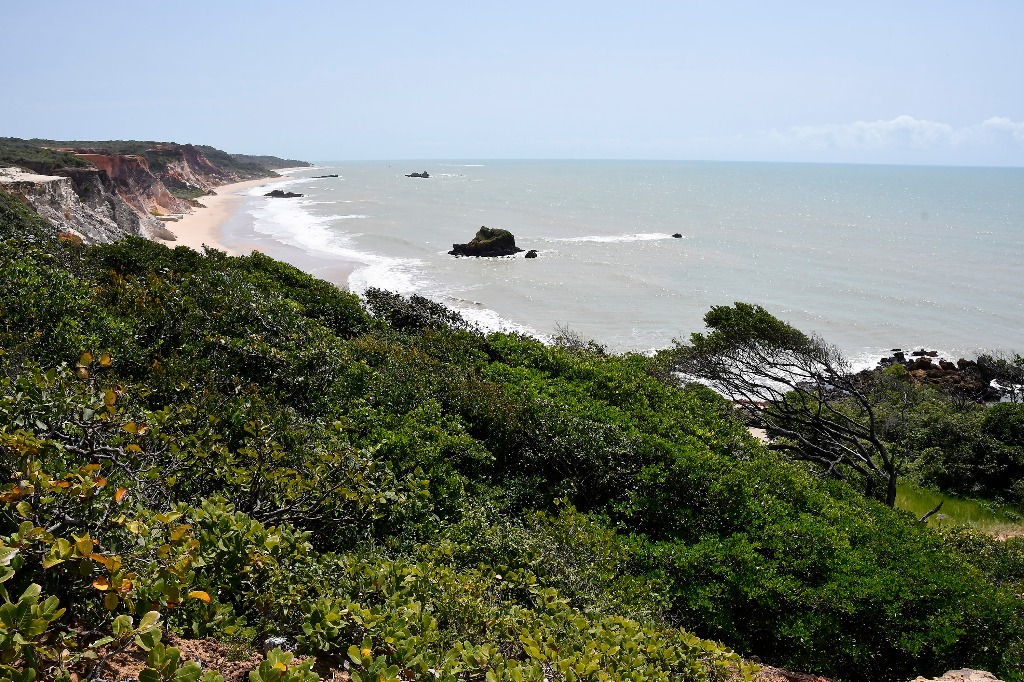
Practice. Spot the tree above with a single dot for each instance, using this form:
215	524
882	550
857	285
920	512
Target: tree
797	387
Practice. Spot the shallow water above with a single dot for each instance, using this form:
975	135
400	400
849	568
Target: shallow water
870	257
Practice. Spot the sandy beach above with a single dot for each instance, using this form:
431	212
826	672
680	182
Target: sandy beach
202	226
206	226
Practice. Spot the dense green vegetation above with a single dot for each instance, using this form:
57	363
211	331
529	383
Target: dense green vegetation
956	446
228	447
33	155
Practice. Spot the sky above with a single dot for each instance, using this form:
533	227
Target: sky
900	82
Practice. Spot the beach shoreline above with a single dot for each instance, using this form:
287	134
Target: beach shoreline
213	226
202	227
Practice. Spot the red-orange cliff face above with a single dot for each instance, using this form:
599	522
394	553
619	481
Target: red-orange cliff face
135	183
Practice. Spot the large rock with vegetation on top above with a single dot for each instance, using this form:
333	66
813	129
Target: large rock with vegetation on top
489	241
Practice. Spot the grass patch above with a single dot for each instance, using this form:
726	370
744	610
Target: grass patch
984	515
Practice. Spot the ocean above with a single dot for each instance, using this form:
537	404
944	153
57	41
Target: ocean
869	257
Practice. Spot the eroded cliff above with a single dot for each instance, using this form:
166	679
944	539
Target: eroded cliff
101	191
135	183
95	213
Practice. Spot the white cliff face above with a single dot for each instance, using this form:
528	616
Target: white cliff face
102	217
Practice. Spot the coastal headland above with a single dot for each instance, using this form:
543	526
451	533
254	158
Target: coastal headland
102	191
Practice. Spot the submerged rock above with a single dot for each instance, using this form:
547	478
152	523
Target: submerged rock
489	242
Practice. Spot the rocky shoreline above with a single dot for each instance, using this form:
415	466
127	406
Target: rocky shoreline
969	379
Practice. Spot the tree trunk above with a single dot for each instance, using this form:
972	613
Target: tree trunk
890	493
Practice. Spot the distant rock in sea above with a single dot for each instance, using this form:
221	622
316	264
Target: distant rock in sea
532	253
677	236
317	177
424	174
489	242
281	194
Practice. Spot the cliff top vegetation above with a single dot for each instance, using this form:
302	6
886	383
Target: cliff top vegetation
43	155
33	155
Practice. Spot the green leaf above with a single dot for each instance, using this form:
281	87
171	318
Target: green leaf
189	672
149	639
150	619
149	675
122	626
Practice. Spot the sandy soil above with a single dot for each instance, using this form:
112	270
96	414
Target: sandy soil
202	225
234	665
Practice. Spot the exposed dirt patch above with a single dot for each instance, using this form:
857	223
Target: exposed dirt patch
232	662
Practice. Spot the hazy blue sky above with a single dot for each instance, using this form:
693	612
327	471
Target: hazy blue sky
886	82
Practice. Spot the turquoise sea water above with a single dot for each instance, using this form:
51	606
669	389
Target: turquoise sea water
870	257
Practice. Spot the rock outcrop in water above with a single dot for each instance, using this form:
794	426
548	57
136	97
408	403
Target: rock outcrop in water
489	242
281	194
424	174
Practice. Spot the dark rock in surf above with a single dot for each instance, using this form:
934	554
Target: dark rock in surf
424	174
280	194
489	242
532	253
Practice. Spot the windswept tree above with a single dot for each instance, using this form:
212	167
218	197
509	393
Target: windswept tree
797	387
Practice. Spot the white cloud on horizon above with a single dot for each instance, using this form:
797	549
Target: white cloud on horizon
904	133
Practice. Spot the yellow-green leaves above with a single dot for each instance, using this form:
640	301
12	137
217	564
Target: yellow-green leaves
200	595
